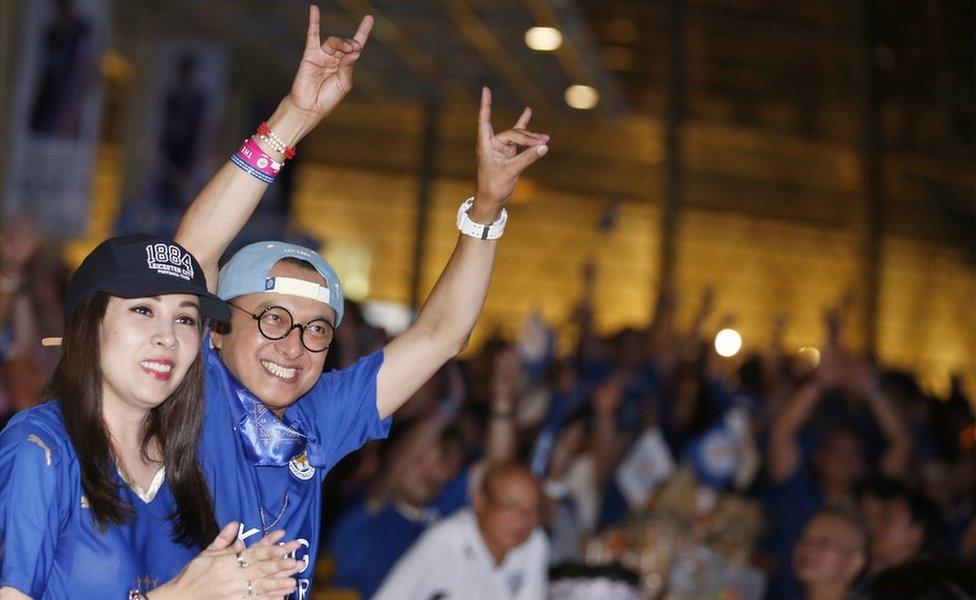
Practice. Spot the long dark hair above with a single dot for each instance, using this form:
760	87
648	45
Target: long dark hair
175	424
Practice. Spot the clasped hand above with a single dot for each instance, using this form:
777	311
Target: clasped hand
227	570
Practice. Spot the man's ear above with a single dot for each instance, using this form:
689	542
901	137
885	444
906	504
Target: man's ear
216	339
478	499
857	563
918	536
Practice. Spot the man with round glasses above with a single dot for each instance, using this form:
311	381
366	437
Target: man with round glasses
274	423
275	323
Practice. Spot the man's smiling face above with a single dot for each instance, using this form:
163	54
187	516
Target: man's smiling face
278	372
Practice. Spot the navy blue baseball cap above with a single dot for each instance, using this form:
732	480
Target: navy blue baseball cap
140	266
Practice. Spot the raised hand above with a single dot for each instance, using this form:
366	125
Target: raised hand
325	73
830	373
606	397
506	375
860	379
499	161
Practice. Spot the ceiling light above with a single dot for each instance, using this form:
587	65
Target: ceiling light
543	39
728	342
810	355
582	97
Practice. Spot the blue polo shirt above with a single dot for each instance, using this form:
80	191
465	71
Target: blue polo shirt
368	541
338	415
50	544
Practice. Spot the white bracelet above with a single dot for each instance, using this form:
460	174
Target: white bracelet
476	230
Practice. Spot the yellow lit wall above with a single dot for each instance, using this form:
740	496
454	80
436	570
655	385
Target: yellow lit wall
548	239
366	220
761	269
928	312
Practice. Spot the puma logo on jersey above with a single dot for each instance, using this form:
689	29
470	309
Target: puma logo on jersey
47	451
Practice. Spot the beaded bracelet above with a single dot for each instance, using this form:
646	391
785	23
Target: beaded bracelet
266	135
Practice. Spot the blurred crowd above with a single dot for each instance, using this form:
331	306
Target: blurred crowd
631	458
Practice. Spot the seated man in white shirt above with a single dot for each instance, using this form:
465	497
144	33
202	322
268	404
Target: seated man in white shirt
495	551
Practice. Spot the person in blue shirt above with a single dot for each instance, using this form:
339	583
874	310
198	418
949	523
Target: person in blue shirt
422	481
802	480
271	413
100	491
415	490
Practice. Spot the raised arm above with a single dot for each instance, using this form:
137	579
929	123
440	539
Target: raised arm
609	444
862	381
225	204
784	448
501	444
447	318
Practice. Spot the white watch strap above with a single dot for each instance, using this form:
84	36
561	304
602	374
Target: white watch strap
468	227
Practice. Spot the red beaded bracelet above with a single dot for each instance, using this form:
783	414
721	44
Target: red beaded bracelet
274	141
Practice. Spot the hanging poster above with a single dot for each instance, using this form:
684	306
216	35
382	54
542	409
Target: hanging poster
52	137
174	153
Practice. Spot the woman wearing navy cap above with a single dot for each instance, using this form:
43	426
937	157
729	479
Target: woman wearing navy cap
100	492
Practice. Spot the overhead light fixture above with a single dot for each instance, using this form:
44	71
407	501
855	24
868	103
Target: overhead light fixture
582	97
543	39
728	342
810	355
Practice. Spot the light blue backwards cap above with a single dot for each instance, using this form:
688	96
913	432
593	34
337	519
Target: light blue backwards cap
247	272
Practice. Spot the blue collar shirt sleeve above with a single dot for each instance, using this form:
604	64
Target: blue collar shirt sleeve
340	413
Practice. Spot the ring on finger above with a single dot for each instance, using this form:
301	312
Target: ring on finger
250	588
242	561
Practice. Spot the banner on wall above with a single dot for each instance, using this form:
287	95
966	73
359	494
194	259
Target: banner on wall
55	115
173	155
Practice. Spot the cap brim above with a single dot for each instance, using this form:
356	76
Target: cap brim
210	305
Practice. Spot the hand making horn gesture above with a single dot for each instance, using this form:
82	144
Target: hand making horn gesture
499	161
324	75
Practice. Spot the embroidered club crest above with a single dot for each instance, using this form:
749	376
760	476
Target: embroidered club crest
300	468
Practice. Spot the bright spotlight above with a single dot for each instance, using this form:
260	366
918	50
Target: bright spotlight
582	97
543	39
728	342
809	355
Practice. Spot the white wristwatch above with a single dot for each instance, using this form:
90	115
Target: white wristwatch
476	230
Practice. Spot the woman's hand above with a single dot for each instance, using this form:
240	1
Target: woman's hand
499	161
226	570
324	75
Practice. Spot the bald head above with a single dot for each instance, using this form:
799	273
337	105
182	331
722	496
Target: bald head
507	505
510	475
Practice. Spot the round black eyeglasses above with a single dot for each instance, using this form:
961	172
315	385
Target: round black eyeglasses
276	323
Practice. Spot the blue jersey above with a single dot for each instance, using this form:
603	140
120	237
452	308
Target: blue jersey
50	544
337	416
367	541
